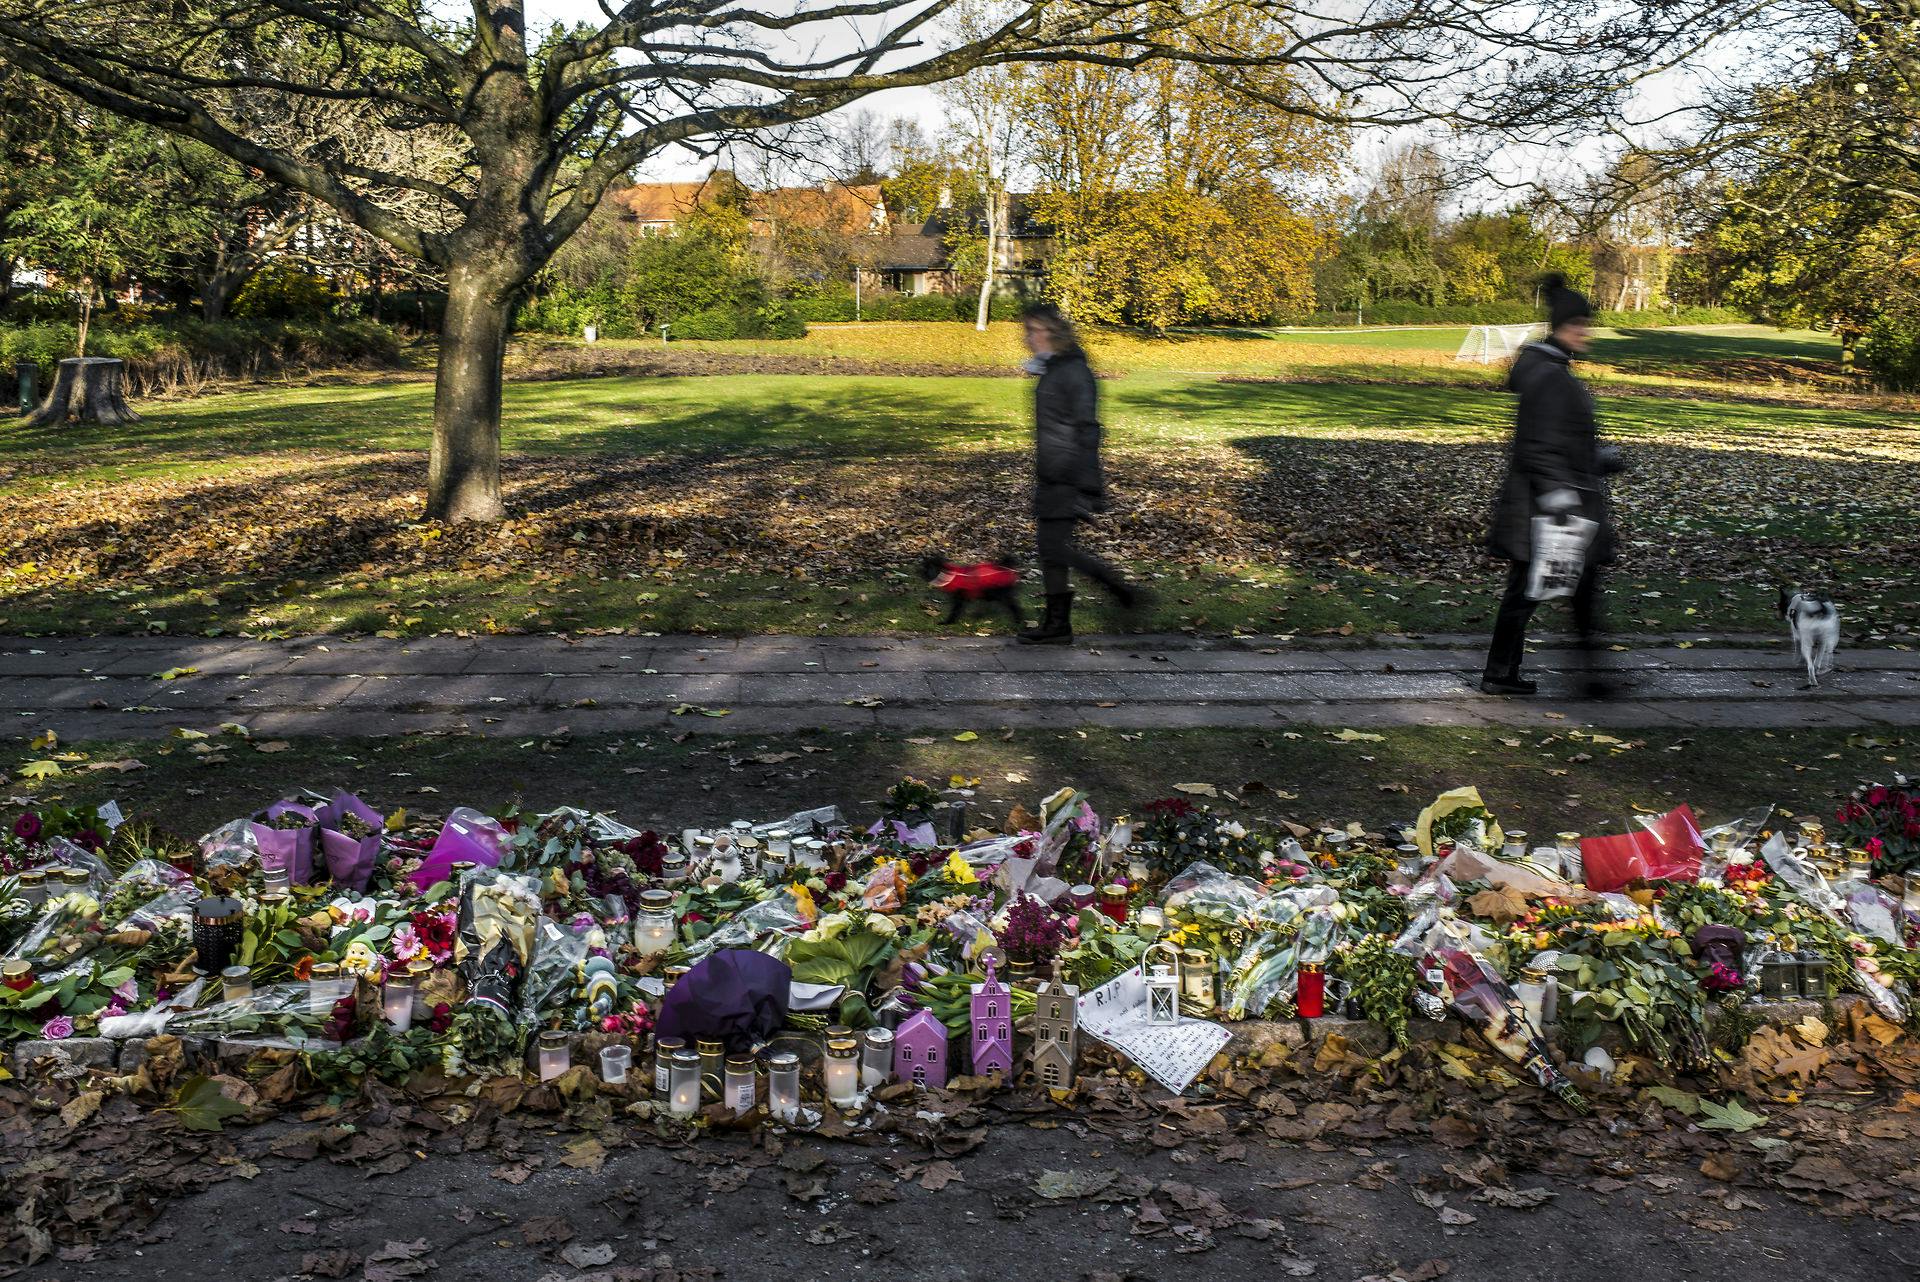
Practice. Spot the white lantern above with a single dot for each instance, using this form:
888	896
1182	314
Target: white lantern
1163	986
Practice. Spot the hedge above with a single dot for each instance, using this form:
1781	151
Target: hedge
182	354
1510	313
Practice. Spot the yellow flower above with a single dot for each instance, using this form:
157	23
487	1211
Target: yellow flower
959	871
803	901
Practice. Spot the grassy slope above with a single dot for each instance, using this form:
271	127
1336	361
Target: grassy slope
1816	477
1544	783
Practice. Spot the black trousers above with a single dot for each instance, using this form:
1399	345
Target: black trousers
1059	553
1510	624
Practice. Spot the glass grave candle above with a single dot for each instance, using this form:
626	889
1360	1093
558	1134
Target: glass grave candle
32	886
783	1086
673	866
236	983
683	1083
323	987
876	1058
843	1070
276	877
654	925
1514	844
1081	895
664	1049
396	999
1113	902
713	1056
741	1095
779	845
1311	997
554	1055
615	1060
1150	921
418	971
750	850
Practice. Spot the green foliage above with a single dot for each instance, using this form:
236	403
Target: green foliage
282	291
184	350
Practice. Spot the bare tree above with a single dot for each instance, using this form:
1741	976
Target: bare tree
542	127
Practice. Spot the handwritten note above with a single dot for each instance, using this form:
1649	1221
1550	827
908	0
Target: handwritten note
1172	1054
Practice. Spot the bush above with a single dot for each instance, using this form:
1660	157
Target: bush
710	324
1890	351
182	353
281	291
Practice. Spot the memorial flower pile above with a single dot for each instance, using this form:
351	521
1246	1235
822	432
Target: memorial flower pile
529	943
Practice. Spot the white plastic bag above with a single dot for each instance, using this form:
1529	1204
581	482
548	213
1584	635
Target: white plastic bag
1559	555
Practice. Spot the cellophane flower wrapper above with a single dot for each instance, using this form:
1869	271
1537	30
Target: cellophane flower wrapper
499	914
1202	890
1483	1000
148	895
467	836
769	926
288	848
1735	834
969	931
1801	877
1268	968
550	971
231	845
67	926
273	1016
1875	913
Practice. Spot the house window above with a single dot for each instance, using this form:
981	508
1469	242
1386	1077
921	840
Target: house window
906	1053
1050	1074
1045	1033
1000	1033
993	1010
983	1032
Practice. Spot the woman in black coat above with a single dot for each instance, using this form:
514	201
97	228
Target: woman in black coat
1556	466
1069	485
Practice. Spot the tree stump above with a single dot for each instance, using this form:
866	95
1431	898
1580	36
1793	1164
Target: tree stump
88	389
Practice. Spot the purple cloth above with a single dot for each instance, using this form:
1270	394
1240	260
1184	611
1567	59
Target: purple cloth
737	996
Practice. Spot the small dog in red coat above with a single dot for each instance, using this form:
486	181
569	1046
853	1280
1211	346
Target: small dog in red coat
993	581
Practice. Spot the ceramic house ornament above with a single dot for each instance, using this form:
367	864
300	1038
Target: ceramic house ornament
920	1051
992	1045
1056	1034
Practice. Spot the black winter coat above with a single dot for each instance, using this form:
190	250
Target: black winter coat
1555	446
1068	481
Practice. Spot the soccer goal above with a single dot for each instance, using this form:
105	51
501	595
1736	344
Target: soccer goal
1490	343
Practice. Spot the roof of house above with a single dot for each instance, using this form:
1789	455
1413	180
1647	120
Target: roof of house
658	202
841	207
916	247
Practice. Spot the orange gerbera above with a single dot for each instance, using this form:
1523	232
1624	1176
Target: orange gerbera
303	969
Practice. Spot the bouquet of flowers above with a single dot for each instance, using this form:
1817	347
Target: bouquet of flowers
1885	822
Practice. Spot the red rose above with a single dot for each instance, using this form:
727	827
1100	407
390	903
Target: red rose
693	917
836	881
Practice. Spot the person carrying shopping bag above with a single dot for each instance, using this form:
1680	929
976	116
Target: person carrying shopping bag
1556	472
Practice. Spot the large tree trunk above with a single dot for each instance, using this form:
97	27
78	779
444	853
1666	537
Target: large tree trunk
463	472
89	389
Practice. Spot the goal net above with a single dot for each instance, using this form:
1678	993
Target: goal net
1490	343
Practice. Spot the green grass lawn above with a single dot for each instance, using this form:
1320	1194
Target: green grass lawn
1272	485
1541	782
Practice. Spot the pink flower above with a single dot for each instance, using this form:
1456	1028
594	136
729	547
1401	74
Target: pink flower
128	993
59	1028
406	944
112	1009
27	827
1875	848
1877	795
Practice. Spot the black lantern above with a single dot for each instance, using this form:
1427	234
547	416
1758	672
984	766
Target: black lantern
218	925
1813	974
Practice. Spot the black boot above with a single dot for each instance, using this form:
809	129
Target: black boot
1506	683
1056	626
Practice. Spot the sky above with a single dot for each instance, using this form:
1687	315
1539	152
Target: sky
1556	164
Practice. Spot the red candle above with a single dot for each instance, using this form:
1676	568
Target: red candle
1113	902
1311	1000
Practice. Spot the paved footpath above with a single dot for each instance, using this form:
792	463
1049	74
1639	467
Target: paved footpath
109	686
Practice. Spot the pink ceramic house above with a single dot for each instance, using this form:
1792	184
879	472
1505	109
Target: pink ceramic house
920	1051
992	1026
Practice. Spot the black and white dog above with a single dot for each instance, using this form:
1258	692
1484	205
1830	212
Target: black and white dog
1814	622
